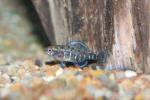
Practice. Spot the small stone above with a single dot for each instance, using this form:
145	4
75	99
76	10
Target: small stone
27	78
145	94
129	74
4	92
146	76
9	43
12	70
43	97
79	77
6	77
78	73
38	62
127	85
51	69
138	97
59	72
16	87
97	73
120	75
108	83
15	95
2	60
12	79
49	78
15	79
49	73
21	73
112	77
97	93
36	82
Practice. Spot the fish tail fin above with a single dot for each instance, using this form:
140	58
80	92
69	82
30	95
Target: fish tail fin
102	56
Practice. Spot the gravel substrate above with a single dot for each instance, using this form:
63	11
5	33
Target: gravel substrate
27	81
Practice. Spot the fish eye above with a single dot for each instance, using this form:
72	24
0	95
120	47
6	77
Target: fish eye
49	50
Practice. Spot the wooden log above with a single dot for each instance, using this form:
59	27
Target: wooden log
120	26
42	8
141	26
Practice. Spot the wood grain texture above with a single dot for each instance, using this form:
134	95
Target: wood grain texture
141	24
120	26
42	8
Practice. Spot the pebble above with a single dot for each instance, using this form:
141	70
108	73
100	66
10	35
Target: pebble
2	60
43	97
38	62
79	77
15	86
130	73
6	78
13	79
4	92
97	93
112	77
59	72
145	94
49	78
15	96
127	85
27	78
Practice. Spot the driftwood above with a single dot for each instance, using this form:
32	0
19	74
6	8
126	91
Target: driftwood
120	26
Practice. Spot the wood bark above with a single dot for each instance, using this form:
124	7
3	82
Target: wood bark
120	26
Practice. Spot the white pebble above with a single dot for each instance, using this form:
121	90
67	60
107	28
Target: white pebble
49	79
59	72
4	92
79	77
130	73
111	77
43	97
6	77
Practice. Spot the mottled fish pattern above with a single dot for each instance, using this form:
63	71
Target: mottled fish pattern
75	52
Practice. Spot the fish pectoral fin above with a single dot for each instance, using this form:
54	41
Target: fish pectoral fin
62	64
82	64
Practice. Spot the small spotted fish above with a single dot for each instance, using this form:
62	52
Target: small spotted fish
77	53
